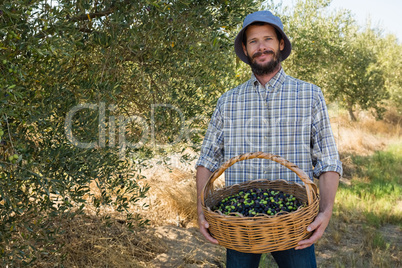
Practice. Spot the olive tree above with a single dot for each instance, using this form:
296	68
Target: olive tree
359	79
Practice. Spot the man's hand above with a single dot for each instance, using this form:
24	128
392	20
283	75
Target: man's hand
202	177
204	229
318	226
328	186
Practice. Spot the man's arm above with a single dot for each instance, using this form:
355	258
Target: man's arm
328	183
202	177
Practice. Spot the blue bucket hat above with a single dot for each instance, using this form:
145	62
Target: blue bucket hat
267	17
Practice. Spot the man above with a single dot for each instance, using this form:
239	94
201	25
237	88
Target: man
277	114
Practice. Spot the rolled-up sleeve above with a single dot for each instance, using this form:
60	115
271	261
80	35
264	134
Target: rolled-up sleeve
325	154
211	155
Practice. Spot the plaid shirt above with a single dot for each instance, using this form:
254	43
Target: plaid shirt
288	117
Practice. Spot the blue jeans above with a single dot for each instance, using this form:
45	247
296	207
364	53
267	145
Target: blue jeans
291	258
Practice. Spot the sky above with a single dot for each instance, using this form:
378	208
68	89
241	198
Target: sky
384	13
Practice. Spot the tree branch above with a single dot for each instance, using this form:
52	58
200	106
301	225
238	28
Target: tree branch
97	13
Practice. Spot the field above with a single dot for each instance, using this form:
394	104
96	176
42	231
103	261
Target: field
365	230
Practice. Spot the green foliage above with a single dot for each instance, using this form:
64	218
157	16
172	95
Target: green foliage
390	61
315	40
364	84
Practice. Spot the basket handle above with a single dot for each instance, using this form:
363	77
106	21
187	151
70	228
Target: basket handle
310	186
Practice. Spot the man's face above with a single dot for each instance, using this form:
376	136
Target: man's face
263	48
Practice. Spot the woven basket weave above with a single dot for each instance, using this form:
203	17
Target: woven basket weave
262	233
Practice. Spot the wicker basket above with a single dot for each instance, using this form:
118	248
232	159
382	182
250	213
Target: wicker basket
262	233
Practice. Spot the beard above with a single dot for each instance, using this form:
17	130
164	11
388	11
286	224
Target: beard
267	68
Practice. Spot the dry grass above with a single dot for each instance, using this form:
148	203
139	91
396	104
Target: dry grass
89	242
351	243
172	198
367	135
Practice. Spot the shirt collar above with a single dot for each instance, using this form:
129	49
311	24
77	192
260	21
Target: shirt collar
275	83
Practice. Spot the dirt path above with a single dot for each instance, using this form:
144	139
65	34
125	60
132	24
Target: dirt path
186	248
